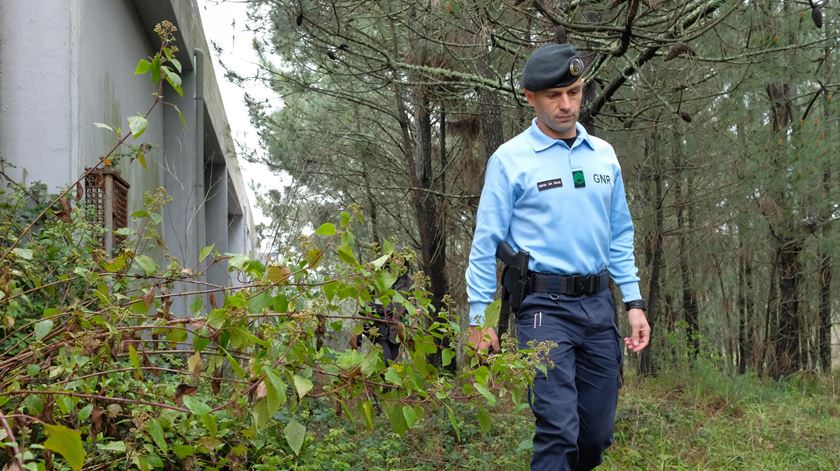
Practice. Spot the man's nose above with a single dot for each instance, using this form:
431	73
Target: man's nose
564	102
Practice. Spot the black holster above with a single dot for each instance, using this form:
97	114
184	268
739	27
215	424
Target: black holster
514	282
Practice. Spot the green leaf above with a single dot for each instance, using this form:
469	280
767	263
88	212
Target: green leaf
173	79
196	406
367	407
238	262
156	431
183	451
446	356
147	263
180	116
379	262
209	423
205	252
155	69
175	62
424	344
25	254
201	340
260	303
116	447
326	229
217	318
454	422
85	412
135	360
42	328
491	314
137	124
103	126
295	433
345	253
197	305
67	443
392	376
143	67
484	420
33	369
349	359
397	419
281	303
491	399
141	157
275	387
277	274
526	444
115	265
302	386
330	289
261	413
410	416
235	365
314	257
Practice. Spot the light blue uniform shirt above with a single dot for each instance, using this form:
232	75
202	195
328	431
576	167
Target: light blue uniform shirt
567	230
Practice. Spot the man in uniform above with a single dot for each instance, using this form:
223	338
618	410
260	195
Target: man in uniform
556	192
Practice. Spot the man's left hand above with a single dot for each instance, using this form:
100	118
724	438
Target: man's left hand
640	336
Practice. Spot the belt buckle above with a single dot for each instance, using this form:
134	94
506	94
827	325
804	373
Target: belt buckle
580	285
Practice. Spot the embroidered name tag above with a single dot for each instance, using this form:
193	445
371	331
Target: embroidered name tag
548	184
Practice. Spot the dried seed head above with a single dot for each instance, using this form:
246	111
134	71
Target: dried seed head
816	16
561	36
680	49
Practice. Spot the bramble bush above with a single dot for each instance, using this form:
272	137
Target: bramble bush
98	371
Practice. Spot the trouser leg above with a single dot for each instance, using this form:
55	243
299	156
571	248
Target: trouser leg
598	364
597	382
553	397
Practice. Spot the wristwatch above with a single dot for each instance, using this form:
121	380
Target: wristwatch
636	304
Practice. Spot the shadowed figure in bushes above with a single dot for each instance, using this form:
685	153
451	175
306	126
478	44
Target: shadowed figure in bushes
387	332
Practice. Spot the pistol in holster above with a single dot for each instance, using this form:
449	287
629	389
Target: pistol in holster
514	281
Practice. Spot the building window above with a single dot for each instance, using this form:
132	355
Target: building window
107	195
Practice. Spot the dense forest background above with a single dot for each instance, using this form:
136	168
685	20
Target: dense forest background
722	114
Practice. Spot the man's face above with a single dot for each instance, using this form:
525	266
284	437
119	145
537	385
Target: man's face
557	109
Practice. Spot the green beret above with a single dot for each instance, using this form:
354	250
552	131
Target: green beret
552	65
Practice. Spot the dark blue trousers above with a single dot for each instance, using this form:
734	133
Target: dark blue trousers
574	405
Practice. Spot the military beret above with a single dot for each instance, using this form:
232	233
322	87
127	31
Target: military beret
552	65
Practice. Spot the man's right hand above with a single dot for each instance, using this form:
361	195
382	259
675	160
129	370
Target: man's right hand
484	340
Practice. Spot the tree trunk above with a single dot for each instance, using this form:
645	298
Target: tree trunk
788	331
746	306
418	161
689	300
429	221
824	334
647	364
788	335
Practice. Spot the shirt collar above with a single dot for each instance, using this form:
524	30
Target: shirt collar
540	141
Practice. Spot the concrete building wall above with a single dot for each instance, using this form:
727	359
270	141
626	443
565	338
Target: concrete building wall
66	67
36	100
111	41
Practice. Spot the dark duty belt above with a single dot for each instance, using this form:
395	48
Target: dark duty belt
575	285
